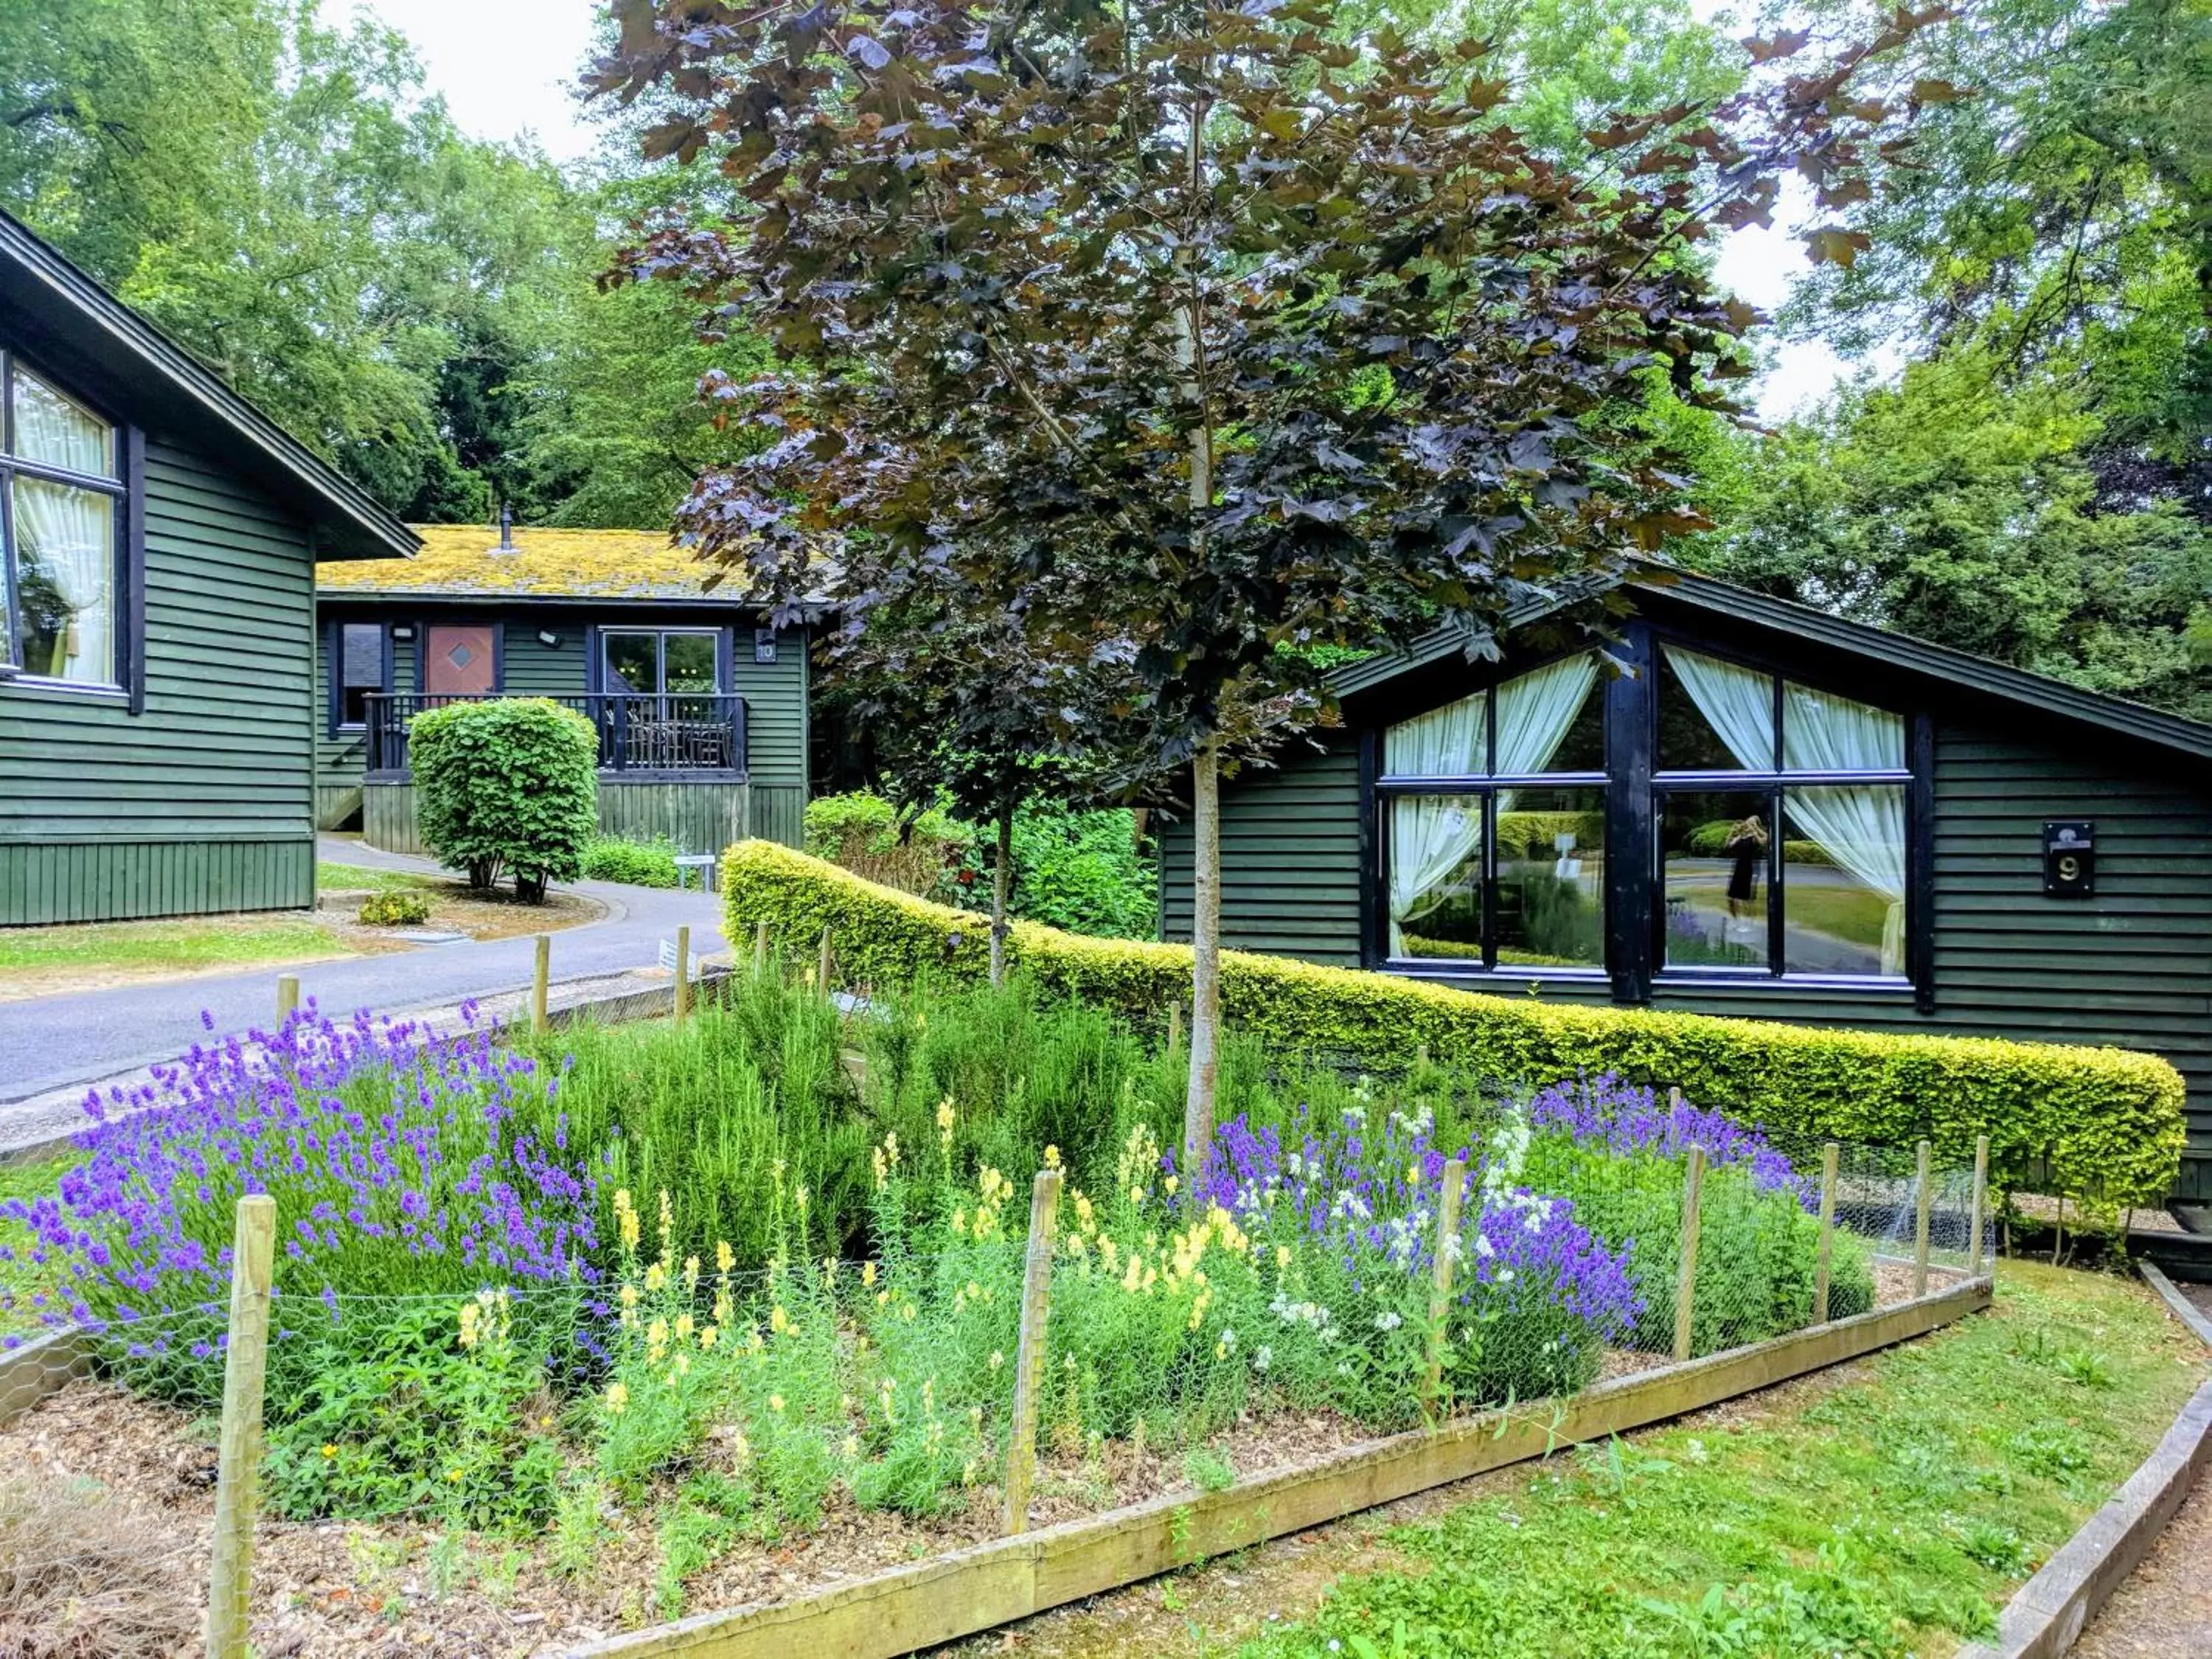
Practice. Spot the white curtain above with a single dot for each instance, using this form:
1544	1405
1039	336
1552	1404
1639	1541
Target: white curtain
1445	743
50	428
1861	826
1534	712
1430	837
65	572
1738	703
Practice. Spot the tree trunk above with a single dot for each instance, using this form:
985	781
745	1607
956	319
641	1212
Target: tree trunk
1002	888
1205	960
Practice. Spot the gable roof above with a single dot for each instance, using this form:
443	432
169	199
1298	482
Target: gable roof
1958	668
159	383
465	562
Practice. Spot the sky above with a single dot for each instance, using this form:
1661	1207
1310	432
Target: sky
507	70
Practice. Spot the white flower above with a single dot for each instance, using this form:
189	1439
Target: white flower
1262	1357
1387	1321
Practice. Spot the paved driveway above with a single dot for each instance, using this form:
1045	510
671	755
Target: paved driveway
53	1042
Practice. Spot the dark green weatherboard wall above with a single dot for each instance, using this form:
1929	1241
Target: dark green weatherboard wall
775	694
203	802
2131	966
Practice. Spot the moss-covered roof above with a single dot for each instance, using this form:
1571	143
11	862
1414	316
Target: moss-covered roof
464	561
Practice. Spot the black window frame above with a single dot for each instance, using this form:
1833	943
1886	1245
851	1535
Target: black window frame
1384	789
126	490
1773	784
334	654
1634	793
718	635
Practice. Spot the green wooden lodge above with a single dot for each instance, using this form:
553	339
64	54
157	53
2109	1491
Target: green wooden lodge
701	714
1738	805
158	545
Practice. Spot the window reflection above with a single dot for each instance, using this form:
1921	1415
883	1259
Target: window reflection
1551	878
1714	849
1436	876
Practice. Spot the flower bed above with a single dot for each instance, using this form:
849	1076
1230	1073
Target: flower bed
487	1323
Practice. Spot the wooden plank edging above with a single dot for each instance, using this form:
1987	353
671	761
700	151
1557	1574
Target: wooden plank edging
2045	1619
2184	1309
984	1585
44	1364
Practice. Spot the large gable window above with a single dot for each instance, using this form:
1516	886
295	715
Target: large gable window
1494	825
1781	813
61	514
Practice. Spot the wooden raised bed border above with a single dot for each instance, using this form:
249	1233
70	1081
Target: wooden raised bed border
986	1585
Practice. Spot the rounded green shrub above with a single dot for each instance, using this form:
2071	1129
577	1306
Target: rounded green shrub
512	785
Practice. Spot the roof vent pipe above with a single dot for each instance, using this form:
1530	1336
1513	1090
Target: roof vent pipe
506	528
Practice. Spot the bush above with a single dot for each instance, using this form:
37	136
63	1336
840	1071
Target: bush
633	863
2102	1124
400	908
915	853
1083	871
511	784
1710	841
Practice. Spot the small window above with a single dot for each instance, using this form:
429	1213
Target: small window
359	671
661	662
61	518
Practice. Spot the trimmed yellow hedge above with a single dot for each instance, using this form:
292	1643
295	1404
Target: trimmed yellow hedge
2107	1122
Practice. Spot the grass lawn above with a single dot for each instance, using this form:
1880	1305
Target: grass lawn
1887	1508
360	878
87	956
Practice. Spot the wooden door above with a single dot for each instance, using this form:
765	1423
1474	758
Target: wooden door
460	661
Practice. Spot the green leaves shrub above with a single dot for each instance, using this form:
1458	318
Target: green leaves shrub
511	784
395	909
2100	1124
633	863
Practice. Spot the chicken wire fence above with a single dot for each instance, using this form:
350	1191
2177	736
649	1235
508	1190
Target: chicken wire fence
1150	1336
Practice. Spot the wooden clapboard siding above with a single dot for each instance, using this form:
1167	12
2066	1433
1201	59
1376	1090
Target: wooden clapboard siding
1290	859
205	801
779	812
2130	966
699	817
338	806
121	880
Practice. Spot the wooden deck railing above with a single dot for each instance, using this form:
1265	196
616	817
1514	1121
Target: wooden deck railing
679	732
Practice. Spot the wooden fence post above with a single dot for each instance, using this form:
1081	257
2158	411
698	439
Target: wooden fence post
821	982
539	976
683	972
238	1472
1924	1195
1174	1026
1831	1156
1447	1203
288	997
1028	1359
1977	1212
760	945
1685	1278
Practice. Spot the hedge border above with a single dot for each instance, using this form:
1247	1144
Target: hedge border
2102	1125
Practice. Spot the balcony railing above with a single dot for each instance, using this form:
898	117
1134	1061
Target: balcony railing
680	732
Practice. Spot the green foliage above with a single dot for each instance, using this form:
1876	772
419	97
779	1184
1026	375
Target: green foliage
1710	841
1085	872
738	1103
423	1404
399	909
916	852
509	784
1955	509
2098	1123
635	863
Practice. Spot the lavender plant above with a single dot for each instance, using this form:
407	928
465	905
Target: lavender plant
1617	1150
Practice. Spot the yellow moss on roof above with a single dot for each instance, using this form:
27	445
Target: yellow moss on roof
466	560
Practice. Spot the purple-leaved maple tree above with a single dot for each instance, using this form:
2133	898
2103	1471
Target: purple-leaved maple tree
1196	336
